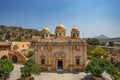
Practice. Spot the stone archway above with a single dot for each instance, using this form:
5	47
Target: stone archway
60	60
4	57
14	59
15	48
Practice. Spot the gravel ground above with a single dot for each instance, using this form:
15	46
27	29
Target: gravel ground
15	75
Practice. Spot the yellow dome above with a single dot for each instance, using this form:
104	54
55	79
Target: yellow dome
60	27
75	29
45	30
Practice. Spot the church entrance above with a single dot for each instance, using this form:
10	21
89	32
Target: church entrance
14	59
60	64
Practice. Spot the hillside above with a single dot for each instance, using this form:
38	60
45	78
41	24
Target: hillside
117	39
17	33
102	36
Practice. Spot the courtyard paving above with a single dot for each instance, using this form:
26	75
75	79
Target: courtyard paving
15	75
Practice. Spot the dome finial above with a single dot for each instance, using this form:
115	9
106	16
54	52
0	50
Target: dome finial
75	28
59	23
45	29
60	27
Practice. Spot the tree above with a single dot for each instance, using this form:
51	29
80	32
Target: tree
103	44
29	68
29	53
19	38
111	43
99	52
93	41
97	66
7	36
6	67
89	54
117	76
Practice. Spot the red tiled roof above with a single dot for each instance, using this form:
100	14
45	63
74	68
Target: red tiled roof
4	44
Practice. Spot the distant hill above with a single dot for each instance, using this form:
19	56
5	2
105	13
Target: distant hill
117	39
17	33
101	37
104	38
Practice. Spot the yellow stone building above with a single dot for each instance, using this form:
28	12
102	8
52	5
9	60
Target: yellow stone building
60	52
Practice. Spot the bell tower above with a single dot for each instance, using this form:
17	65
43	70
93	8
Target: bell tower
45	33
60	31
75	33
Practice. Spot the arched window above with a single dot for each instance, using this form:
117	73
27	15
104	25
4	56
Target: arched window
23	45
15	48
42	61
4	57
60	34
46	35
77	61
73	35
77	35
28	45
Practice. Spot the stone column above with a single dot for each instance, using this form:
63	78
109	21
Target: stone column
49	66
71	56
36	54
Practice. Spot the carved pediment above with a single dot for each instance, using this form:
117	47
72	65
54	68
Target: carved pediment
60	53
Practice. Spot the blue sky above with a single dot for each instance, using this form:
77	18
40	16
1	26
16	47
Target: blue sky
92	17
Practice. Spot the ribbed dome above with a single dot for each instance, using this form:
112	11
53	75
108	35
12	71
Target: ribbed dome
60	27
75	29
45	30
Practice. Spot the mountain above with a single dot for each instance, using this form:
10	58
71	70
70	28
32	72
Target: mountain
17	33
116	39
101	37
104	38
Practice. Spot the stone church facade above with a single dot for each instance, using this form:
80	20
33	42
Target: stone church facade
60	52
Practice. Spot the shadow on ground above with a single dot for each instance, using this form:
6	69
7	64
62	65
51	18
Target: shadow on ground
87	77
61	72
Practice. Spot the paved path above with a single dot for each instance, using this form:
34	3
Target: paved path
15	75
60	76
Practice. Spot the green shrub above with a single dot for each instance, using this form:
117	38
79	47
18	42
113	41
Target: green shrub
97	66
29	53
29	68
6	66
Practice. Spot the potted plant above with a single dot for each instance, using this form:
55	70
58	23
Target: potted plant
97	66
29	68
6	66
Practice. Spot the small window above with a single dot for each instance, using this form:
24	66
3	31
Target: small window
60	34
46	35
73	35
75	47
56	34
42	61
23	45
28	45
77	61
77	35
